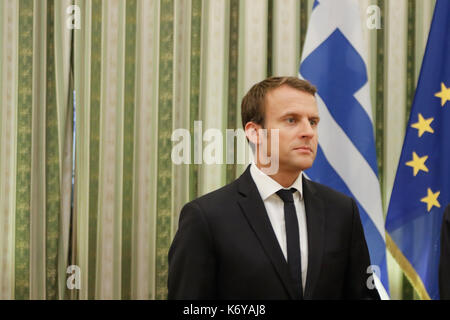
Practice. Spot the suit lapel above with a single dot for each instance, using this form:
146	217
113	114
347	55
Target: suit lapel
315	221
254	210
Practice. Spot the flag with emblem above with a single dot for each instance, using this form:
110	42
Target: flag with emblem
422	184
334	59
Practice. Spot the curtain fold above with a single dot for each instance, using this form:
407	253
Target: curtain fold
23	171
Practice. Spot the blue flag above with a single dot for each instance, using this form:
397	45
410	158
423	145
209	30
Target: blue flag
422	185
334	59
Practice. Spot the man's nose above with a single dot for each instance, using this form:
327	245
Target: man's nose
305	129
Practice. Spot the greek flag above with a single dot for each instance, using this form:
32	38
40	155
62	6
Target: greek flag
334	59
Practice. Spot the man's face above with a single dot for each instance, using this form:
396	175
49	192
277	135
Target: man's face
296	115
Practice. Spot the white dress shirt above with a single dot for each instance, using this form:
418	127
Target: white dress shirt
267	188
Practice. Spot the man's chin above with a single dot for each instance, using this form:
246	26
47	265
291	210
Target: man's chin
299	166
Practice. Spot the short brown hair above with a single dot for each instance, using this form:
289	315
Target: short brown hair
252	107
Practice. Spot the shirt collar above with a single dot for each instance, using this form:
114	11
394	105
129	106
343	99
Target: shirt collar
268	186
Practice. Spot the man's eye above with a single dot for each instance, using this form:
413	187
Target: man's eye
290	120
313	122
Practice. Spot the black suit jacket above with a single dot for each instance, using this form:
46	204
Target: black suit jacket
444	263
225	248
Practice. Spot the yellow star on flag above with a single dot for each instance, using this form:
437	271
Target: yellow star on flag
423	125
418	163
444	94
431	199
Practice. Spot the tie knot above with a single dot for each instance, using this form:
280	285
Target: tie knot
286	195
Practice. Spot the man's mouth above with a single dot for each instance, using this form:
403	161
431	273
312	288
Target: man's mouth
303	149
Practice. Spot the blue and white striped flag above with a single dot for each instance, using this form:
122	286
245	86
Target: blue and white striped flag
334	59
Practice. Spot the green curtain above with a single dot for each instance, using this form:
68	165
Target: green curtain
136	71
34	126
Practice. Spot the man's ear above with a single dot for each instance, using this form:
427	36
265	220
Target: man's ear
251	132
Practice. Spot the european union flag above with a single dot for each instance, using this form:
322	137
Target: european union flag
422	184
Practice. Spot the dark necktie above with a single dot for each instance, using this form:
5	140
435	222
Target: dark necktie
292	238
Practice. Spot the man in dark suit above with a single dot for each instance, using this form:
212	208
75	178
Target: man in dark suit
444	263
272	234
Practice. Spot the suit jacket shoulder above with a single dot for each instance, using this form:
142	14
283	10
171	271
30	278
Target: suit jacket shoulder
217	198
328	194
